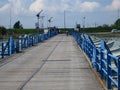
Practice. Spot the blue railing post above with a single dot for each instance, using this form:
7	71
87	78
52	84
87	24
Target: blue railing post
13	47
82	43
37	38
109	83
86	50
10	46
94	57
32	43
85	45
22	42
17	46
102	58
28	41
119	73
2	53
97	59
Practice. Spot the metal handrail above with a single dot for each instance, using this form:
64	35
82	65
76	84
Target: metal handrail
11	46
102	60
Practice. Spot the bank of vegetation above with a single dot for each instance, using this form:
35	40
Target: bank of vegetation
18	29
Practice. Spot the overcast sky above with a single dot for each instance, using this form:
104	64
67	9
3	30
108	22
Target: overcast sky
96	12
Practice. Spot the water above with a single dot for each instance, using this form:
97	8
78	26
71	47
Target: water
116	44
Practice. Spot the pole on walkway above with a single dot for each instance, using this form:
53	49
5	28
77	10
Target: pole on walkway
64	20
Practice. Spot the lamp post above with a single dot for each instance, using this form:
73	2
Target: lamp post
64	19
84	22
118	13
37	24
10	15
49	20
118	17
42	21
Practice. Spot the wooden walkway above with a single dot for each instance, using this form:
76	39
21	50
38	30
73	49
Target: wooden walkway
56	64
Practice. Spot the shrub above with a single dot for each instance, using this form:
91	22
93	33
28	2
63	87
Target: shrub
3	30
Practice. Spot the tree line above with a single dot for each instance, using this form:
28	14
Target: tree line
18	26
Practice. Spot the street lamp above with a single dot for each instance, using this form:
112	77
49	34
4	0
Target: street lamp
10	14
37	24
49	20
84	22
64	19
42	21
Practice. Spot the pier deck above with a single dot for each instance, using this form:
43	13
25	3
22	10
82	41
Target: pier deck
56	64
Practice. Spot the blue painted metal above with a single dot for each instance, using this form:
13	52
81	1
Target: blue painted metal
109	72
22	43
2	52
119	73
101	58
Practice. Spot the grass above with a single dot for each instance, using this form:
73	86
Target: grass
23	31
93	31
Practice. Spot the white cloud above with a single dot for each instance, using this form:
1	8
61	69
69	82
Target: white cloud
25	6
89	6
36	6
4	8
61	5
115	5
18	6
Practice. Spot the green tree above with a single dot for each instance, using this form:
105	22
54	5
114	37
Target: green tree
105	26
17	25
3	30
117	23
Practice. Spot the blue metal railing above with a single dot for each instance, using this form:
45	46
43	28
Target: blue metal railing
15	46
102	60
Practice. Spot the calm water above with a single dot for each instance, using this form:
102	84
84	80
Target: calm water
116	44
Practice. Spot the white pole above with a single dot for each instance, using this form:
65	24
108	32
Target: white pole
64	19
10	16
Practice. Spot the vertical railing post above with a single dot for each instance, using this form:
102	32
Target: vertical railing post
28	41
101	58
13	47
24	42
109	83
84	44
77	37
10	46
86	47
94	58
21	43
97	60
32	41
119	73
17	46
37	38
92	48
2	53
